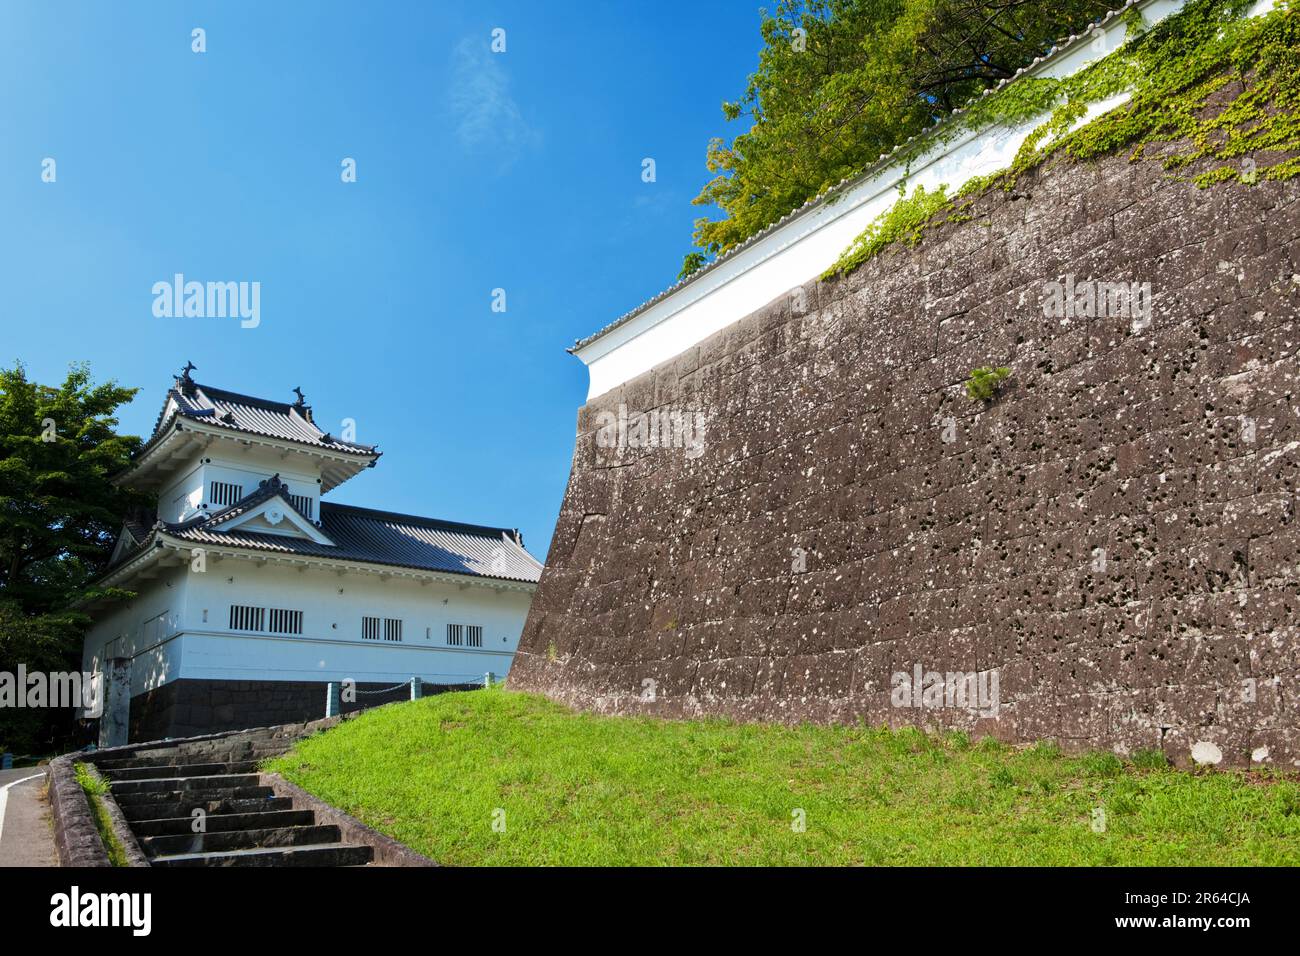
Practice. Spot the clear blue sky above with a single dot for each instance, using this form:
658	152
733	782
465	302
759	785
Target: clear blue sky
475	171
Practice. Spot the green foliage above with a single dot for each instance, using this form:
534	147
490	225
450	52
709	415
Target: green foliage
92	783
1172	71
59	515
692	262
1134	21
1101	764
96	789
871	73
585	789
984	382
1002	777
1150	760
957	740
903	222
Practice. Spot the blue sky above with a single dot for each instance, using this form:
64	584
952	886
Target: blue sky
475	171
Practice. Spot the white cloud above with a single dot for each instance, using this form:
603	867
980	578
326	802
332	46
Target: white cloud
486	116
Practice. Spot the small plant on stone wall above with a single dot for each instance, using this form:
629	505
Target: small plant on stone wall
984	383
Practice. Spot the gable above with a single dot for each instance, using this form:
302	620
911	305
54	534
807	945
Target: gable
126	542
275	516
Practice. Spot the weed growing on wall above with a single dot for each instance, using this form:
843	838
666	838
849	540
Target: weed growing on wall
984	382
96	790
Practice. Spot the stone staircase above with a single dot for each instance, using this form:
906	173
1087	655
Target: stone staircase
244	822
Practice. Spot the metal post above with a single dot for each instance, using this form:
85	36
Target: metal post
417	688
115	721
488	679
332	708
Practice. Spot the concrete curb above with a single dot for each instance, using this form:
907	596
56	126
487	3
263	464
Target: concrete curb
75	834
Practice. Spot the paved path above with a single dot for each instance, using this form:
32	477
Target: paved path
26	832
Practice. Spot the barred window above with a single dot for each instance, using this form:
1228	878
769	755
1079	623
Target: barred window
245	618
285	622
303	503
455	634
370	628
474	635
225	493
392	629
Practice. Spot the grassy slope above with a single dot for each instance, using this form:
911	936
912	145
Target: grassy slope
584	789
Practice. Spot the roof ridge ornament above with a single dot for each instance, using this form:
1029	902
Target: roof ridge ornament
184	382
301	404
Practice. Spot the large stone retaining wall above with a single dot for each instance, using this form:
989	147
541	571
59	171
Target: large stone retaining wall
1114	538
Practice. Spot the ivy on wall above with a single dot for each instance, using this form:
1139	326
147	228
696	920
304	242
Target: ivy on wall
1207	52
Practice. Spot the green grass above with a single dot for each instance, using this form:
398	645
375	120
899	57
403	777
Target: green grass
96	788
586	789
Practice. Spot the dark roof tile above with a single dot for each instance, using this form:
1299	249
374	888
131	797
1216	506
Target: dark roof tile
372	537
251	415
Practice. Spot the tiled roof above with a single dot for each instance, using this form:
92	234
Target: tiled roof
138	527
371	537
250	415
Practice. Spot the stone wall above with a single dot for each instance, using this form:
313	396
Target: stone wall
1114	538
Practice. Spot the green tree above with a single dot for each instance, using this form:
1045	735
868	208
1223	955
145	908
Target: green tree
841	81
59	515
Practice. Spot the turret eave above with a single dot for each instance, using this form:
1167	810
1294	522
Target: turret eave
163	552
183	441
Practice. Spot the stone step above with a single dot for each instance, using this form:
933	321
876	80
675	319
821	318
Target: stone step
230	753
178	770
224	822
194	753
322	854
129	763
171	755
159	811
191	797
196	782
244	824
219	841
